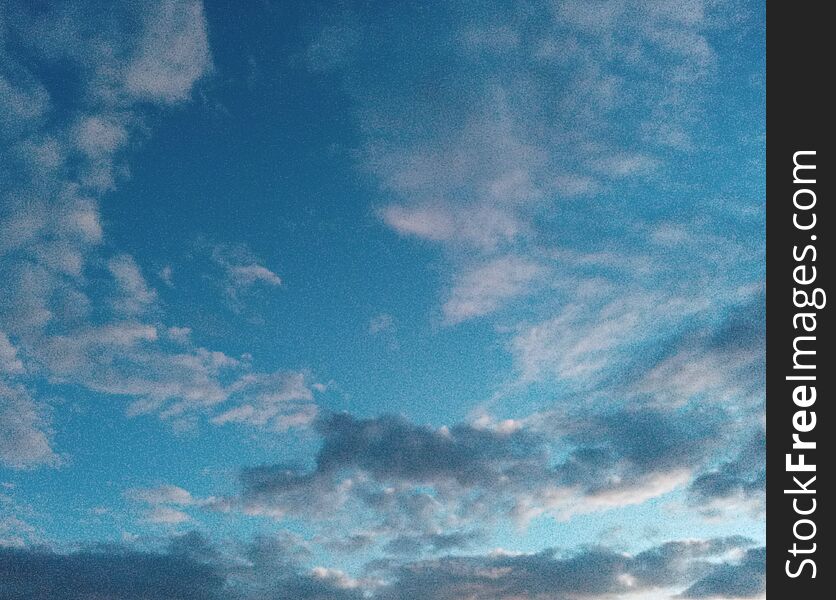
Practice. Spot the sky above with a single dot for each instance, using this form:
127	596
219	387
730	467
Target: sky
345	300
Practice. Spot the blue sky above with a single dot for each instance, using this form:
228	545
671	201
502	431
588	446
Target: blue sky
349	300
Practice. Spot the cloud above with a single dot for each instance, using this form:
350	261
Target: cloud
59	155
125	358
10	364
424	222
22	102
172	55
277	401
135	296
392	449
78	313
190	568
24	432
407	478
490	39
594	573
99	136
480	226
112	573
249	274
241	271
738	483
333	46
381	323
487	287
582	340
164	494
746	579
432	542
615	303
467	142
391	466
16	533
570	185
533	158
468	160
271	568
623	165
622	447
166	274
180	382
166	515
166	504
710	378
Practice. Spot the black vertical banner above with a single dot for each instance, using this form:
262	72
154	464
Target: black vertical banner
799	269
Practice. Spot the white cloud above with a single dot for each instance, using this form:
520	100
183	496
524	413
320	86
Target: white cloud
278	401
135	296
714	375
21	102
84	218
165	503
249	274
52	228
99	136
172	55
165	515
125	359
163	494
16	533
483	227
486	287
337	578
481	162
24	434
241	271
591	17
424	222
45	153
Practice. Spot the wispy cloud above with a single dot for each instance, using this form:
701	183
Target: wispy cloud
240	272
487	287
277	401
25	434
51	229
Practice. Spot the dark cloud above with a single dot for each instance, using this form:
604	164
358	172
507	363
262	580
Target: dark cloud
741	479
270	568
390	448
416	544
106	573
191	568
411	476
634	443
746	579
672	562
305	587
590	573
